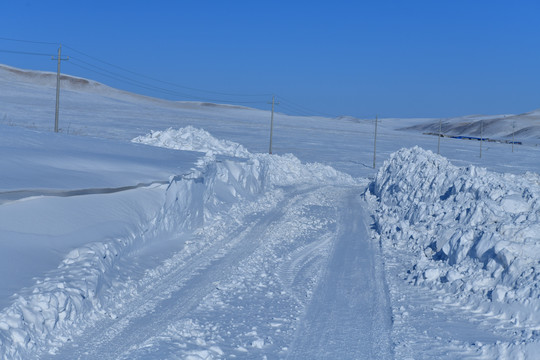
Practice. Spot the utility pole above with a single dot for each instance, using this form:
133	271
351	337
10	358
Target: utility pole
272	122
439	141
59	58
375	142
513	131
481	136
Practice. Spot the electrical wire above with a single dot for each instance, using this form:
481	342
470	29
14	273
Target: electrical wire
105	72
116	76
285	103
291	110
304	108
72	63
29	41
164	82
24	52
133	82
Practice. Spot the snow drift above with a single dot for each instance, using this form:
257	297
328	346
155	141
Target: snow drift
277	170
472	232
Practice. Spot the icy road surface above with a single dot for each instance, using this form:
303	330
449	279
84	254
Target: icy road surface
264	270
350	313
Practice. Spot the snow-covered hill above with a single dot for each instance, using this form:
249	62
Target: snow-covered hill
150	229
500	127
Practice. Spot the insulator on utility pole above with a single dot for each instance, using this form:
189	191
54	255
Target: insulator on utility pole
272	122
59	58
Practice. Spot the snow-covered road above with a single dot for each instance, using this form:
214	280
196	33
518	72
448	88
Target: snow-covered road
350	315
298	263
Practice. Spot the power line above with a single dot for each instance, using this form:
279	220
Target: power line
24	52
310	111
286	103
116	76
133	82
161	81
29	41
126	80
107	73
301	111
294	111
298	110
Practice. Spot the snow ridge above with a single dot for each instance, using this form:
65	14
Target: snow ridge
286	169
472	232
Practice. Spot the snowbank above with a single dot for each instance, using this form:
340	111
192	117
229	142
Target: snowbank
472	232
69	297
83	287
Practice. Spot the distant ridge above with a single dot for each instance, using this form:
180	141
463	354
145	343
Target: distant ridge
506	126
49	78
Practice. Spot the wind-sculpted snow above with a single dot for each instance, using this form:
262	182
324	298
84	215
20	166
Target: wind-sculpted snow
191	138
285	169
472	232
85	286
46	315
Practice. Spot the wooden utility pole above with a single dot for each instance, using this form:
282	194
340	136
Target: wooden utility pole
439	141
481	136
513	132
59	58
272	122
375	142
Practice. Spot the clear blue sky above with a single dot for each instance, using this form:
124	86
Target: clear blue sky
360	58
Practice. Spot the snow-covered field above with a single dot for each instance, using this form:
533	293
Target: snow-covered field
149	229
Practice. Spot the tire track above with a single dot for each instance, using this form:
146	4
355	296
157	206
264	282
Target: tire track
350	314
178	292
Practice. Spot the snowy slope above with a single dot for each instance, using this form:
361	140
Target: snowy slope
156	229
501	127
343	143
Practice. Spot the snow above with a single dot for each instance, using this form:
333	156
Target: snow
471	234
451	214
347	299
522	127
154	229
190	138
